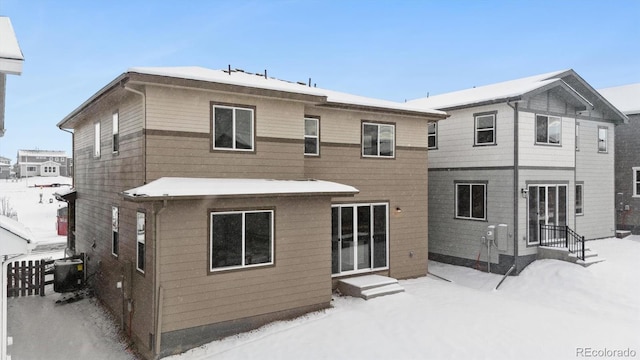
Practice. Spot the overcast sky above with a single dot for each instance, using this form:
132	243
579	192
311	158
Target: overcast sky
394	50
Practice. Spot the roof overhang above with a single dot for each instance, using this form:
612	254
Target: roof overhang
176	188
11	58
69	195
433	115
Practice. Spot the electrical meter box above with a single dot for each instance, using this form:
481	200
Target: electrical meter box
491	233
502	236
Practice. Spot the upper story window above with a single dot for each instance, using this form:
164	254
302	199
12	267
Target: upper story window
311	136
603	133
485	128
240	239
115	132
96	139
233	128
378	140
548	130
432	136
636	181
471	201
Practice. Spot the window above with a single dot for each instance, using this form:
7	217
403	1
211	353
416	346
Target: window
548	129
116	126
577	136
232	128
31	168
378	140
311	136
485	128
140	240
636	182
602	139
114	230
359	237
579	199
471	201
96	140
241	239
432	136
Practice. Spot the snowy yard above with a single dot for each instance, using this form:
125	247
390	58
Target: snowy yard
553	310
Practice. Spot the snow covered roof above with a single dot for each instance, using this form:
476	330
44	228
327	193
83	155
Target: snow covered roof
54	153
11	57
626	97
177	188
260	81
16	237
503	91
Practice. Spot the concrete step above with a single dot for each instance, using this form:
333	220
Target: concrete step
590	261
588	253
369	286
621	234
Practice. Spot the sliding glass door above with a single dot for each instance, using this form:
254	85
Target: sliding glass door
547	205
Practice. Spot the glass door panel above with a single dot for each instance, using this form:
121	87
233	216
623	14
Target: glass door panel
379	236
562	205
347	249
533	214
335	240
364	237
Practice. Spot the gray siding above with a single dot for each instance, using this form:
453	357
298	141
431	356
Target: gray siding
627	150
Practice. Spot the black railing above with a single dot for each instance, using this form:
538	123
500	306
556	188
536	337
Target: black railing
562	237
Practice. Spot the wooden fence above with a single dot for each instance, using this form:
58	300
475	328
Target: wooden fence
26	278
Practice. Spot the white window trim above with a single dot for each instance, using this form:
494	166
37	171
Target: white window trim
141	239
115	138
636	180
243	265
393	140
581	185
606	140
470	184
233	125
115	229
492	129
434	135
317	136
535	130
96	140
372	269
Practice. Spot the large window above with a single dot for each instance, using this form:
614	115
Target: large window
636	181
232	128
116	130
96	139
241	239
140	240
603	133
548	130
432	136
114	230
311	136
378	140
471	201
485	128
579	199
359	237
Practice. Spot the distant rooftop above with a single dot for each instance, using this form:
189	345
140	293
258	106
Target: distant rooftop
55	153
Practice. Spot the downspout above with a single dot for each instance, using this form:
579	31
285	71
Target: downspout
516	181
144	128
158	290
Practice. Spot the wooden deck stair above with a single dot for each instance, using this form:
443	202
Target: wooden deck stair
369	286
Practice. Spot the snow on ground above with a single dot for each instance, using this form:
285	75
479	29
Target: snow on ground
550	311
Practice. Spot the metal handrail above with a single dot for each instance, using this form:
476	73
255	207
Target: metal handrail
562	236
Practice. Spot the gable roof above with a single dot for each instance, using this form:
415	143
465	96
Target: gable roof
626	97
252	84
11	57
567	83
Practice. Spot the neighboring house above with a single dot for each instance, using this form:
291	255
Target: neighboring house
43	163
531	154
5	167
627	99
197	209
11	60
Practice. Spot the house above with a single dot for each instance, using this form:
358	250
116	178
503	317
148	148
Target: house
516	163
209	202
31	163
11	60
5	167
627	99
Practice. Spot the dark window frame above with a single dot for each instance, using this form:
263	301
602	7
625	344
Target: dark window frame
605	141
115	231
579	205
432	135
471	185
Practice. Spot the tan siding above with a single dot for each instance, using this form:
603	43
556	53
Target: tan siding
175	109
299	278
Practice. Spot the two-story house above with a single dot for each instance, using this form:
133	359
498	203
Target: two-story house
208	202
627	99
529	157
46	163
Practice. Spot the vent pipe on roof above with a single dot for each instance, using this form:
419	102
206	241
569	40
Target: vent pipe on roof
229	69
265	74
309	82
